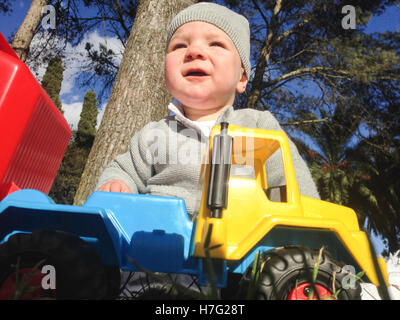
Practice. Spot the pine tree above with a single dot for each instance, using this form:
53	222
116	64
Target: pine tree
87	123
71	168
52	80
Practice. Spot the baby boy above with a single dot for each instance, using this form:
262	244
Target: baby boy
207	63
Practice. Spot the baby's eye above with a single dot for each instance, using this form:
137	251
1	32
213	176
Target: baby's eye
217	44
178	46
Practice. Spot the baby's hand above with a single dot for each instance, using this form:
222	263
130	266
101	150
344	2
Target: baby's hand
115	186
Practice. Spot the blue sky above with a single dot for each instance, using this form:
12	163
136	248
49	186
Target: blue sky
388	21
72	96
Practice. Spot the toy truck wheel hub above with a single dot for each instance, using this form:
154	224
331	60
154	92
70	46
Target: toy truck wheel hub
302	291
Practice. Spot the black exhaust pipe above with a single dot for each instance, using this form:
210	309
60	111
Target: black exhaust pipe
221	160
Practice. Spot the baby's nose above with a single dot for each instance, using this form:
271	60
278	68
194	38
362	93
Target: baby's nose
195	52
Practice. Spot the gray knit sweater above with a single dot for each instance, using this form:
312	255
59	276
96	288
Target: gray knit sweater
164	157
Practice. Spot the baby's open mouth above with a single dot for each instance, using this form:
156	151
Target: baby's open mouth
196	73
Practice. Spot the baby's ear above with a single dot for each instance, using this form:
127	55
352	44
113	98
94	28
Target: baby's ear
242	83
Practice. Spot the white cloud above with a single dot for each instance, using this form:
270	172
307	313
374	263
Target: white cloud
75	98
76	57
72	113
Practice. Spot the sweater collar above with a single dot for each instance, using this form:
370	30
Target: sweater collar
180	117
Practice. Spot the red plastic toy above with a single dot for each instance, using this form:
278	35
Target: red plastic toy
30	157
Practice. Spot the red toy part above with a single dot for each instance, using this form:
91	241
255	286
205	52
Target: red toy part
7	188
301	292
33	132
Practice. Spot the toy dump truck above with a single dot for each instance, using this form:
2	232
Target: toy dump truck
85	247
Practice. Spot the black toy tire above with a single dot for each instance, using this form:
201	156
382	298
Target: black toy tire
288	267
80	273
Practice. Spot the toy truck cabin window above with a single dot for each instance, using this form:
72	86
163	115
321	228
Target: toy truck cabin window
276	190
257	157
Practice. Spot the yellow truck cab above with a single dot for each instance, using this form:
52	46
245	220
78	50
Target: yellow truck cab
251	222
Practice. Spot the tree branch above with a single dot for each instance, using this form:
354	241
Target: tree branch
296	123
260	11
303	71
264	57
287	33
295	55
121	18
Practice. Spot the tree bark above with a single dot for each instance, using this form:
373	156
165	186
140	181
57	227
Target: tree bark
26	31
139	94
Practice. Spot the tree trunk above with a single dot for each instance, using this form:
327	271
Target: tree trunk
139	94
26	31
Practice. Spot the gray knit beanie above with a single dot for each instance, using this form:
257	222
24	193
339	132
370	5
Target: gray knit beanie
233	24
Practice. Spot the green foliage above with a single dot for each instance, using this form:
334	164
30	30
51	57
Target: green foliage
314	276
327	158
75	157
87	123
52	80
353	154
354	157
255	276
361	175
378	199
69	174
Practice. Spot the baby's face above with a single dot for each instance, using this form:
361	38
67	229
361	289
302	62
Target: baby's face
203	68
